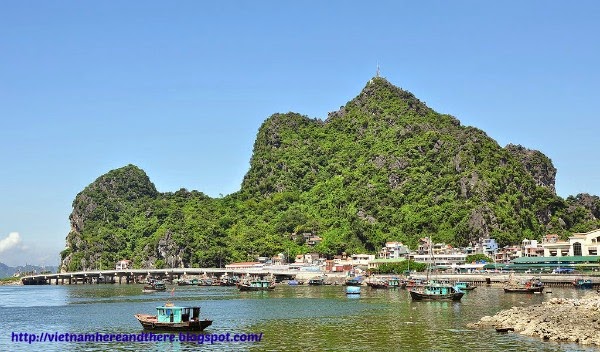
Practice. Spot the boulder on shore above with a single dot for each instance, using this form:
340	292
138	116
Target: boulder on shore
559	319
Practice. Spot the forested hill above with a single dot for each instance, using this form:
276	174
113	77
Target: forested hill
384	167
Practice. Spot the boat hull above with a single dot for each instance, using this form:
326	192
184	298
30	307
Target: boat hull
584	285
524	289
419	296
378	285
149	322
252	288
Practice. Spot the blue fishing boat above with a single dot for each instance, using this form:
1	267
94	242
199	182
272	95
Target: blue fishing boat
583	283
465	286
171	317
154	286
316	281
355	281
436	292
256	285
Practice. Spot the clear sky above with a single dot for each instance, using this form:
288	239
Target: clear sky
180	88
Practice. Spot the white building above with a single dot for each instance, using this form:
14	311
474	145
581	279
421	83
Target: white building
441	259
578	244
393	250
123	264
362	259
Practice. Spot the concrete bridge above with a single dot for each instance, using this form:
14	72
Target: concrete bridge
139	275
128	276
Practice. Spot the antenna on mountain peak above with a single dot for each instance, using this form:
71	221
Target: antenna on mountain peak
377	75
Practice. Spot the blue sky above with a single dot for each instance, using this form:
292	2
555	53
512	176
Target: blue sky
181	88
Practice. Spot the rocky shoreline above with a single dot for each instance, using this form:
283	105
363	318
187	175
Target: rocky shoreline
559	319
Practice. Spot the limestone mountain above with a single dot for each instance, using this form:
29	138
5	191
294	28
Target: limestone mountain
383	167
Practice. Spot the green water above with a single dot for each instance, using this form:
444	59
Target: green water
302	318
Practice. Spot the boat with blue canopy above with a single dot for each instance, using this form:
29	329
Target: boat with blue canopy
172	317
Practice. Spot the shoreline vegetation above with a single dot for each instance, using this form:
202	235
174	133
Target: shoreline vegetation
558	319
11	281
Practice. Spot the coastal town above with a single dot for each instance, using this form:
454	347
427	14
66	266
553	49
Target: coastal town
578	252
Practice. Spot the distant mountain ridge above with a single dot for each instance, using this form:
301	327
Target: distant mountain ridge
8	271
383	167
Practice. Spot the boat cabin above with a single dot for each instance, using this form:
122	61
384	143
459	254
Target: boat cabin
173	314
439	290
260	284
393	282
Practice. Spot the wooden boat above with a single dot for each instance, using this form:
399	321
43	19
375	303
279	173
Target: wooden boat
256	285
316	281
227	280
394	282
436	292
154	286
355	281
465	286
188	282
171	317
378	284
529	286
583	283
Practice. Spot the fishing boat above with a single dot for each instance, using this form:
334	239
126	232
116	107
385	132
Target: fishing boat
394	282
583	283
529	286
436	292
385	283
295	282
171	317
355	281
154	286
256	285
316	281
377	284
227	280
187	282
465	286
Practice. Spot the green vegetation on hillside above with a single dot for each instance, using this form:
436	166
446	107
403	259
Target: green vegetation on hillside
384	167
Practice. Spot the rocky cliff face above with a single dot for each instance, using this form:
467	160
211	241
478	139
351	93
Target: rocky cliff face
538	165
101	202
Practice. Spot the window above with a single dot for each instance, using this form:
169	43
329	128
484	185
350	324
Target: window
577	249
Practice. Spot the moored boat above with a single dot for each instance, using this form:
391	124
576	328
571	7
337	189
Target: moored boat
465	286
355	281
154	286
529	286
316	281
583	283
377	284
436	292
187	282
256	285
171	317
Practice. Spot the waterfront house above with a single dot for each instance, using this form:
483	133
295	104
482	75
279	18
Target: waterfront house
123	264
393	250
